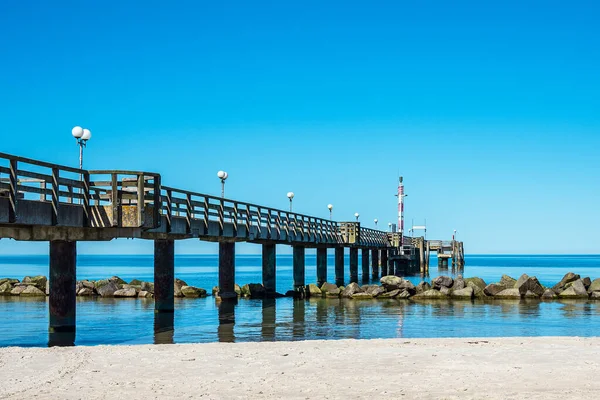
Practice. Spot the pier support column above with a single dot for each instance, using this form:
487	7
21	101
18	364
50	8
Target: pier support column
321	266
299	267
63	255
227	271
384	261
268	267
164	275
365	261
353	264
375	263
339	266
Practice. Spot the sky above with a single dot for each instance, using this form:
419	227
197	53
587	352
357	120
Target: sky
490	110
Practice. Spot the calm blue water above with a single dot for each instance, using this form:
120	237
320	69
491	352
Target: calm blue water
129	321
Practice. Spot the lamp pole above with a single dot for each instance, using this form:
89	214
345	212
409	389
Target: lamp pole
356	215
376	221
81	135
330	208
290	196
222	175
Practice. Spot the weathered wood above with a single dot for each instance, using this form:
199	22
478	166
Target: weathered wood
55	195
321	265
164	275
13	194
62	283
227	270
269	261
339	266
299	267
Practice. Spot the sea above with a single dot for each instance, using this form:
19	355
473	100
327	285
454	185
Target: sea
100	321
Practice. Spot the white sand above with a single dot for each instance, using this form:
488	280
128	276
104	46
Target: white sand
530	368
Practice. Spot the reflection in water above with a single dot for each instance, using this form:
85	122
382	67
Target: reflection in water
61	339
298	318
268	320
226	320
164	327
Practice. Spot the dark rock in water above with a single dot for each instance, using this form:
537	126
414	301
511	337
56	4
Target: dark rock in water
531	295
477	291
351	289
574	289
423	287
442	281
509	294
192	291
33	291
313	290
408	285
257	290
130	292
594	286
215	291
466	293
37	281
106	288
391	282
493	289
430	294
480	283
273	295
295	294
587	282
135	282
568	278
459	283
548	294
507	282
147	287
237	289
389	295
362	296
526	283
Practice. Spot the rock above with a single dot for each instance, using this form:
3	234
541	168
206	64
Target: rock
37	281
3	281
594	286
330	287
177	285
147	287
404	295
294	293
466	293
106	288
144	294
408	285
351	289
333	294
192	291
477	290
313	290
586	282
459	283
442	281
237	289
574	289
548	294
135	282
568	278
215	291
245	291
507	282
84	291
130	292
430	294
531	295
423	287
389	295
391	282
445	290
88	284
117	280
529	284
362	296
257	290
493	289
32	291
128	286
17	290
508	294
5	288
595	295
274	295
478	282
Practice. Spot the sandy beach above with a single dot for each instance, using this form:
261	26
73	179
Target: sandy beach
542	367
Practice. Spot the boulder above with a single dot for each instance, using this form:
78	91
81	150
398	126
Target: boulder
135	282
144	294
508	294
327	288
568	278
548	294
295	294
257	290
586	282
215	291
408	285
459	283
519	282
333	294
128	286
389	295
477	290
351	289
574	289
130	292
147	287
237	289
177	285
375	290
18	289
87	284
595	295
362	296
507	282
245	291
594	286
404	295
32	291
442	281
478	282
313	290
391	282
37	281
493	289
106	288
430	294
117	280
3	280
531	295
192	291
466	293
5	288
84	291
445	290
423	287
529	284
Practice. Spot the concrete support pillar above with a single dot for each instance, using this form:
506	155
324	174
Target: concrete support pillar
164	275
353	264
63	279
384	261
227	271
375	262
164	323
365	261
339	266
321	266
268	267
299	267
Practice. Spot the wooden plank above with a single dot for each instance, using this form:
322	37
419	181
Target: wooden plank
55	195
114	199
12	193
157	202
169	210
86	199
140	200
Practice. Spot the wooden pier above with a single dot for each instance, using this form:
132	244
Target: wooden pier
40	201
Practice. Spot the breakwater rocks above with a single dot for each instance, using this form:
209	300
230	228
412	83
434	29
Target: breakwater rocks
111	287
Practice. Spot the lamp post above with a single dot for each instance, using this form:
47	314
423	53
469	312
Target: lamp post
222	175
356	215
376	221
290	196
454	236
81	135
390	226
330	207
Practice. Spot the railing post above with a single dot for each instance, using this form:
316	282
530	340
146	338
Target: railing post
169	212
55	195
188	213
86	199
114	198
157	202
13	194
140	199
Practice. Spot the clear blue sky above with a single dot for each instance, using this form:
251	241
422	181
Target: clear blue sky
489	109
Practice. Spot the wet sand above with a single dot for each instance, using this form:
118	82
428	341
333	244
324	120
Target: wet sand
497	368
